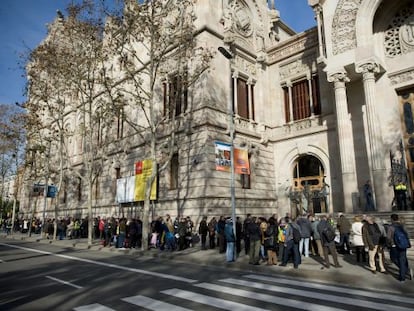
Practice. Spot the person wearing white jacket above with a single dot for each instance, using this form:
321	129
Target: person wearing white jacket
357	240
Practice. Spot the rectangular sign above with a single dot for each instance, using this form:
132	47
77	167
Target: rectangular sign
222	151
143	171
240	158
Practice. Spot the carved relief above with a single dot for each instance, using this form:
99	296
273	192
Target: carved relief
343	26
245	66
294	47
399	37
300	66
402	77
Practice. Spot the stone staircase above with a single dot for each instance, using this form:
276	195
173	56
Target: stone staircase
407	217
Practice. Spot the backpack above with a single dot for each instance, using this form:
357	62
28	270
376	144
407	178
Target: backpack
296	234
401	238
328	233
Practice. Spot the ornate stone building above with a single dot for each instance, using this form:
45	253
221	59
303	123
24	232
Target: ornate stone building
320	113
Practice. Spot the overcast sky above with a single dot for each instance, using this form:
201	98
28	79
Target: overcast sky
23	26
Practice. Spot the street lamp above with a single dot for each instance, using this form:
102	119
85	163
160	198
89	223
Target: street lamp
227	54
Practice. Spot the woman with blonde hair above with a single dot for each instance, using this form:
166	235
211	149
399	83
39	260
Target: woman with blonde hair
357	240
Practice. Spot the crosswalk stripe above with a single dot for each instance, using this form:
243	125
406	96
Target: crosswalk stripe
333	288
211	301
316	295
283	301
93	307
153	304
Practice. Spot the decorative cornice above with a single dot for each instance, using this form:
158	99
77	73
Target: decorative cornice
293	46
402	76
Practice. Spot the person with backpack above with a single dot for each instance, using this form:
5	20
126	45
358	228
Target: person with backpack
327	235
398	241
291	245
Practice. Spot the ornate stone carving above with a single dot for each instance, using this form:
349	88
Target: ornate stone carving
237	17
399	37
338	77
294	47
343	26
300	66
367	67
245	66
402	77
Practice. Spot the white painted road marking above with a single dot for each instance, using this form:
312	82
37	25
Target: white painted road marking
210	301
332	288
93	307
152	304
315	295
108	265
63	282
283	301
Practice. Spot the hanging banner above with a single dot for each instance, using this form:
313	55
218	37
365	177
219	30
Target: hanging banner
120	190
223	163
143	171
241	161
222	151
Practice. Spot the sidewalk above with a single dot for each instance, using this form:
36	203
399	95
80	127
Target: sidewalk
351	273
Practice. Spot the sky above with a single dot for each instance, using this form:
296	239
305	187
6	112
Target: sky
23	25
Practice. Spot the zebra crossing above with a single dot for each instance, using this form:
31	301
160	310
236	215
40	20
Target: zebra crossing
258	290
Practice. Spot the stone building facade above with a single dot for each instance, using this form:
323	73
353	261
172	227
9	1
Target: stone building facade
320	113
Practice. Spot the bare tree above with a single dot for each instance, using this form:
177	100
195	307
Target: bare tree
12	145
159	59
69	83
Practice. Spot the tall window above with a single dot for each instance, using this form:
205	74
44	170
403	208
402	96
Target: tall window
175	96
245	99
79	189
305	99
120	124
245	179
174	169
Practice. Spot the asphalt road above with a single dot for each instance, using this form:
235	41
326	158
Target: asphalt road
43	277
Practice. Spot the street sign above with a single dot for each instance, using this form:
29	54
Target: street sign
51	191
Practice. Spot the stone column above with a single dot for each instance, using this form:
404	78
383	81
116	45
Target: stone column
289	86
345	139
319	22
234	76
374	141
309	77
250	97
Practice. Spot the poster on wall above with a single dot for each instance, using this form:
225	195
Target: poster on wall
143	171
222	151
223	162
241	161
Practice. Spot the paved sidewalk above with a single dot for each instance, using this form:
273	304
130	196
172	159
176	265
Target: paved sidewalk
351	273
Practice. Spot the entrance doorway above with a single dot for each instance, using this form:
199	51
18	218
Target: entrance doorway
309	191
406	101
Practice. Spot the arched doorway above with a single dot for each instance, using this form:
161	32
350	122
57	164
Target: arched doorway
309	191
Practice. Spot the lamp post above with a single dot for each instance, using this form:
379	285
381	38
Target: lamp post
227	54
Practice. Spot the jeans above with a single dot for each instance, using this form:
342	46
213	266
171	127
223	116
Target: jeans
121	239
291	247
344	242
230	256
399	258
304	242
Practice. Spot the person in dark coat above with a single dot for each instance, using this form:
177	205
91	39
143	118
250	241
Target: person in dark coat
254	233
328	246
203	230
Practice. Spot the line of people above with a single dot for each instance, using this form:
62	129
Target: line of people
283	240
